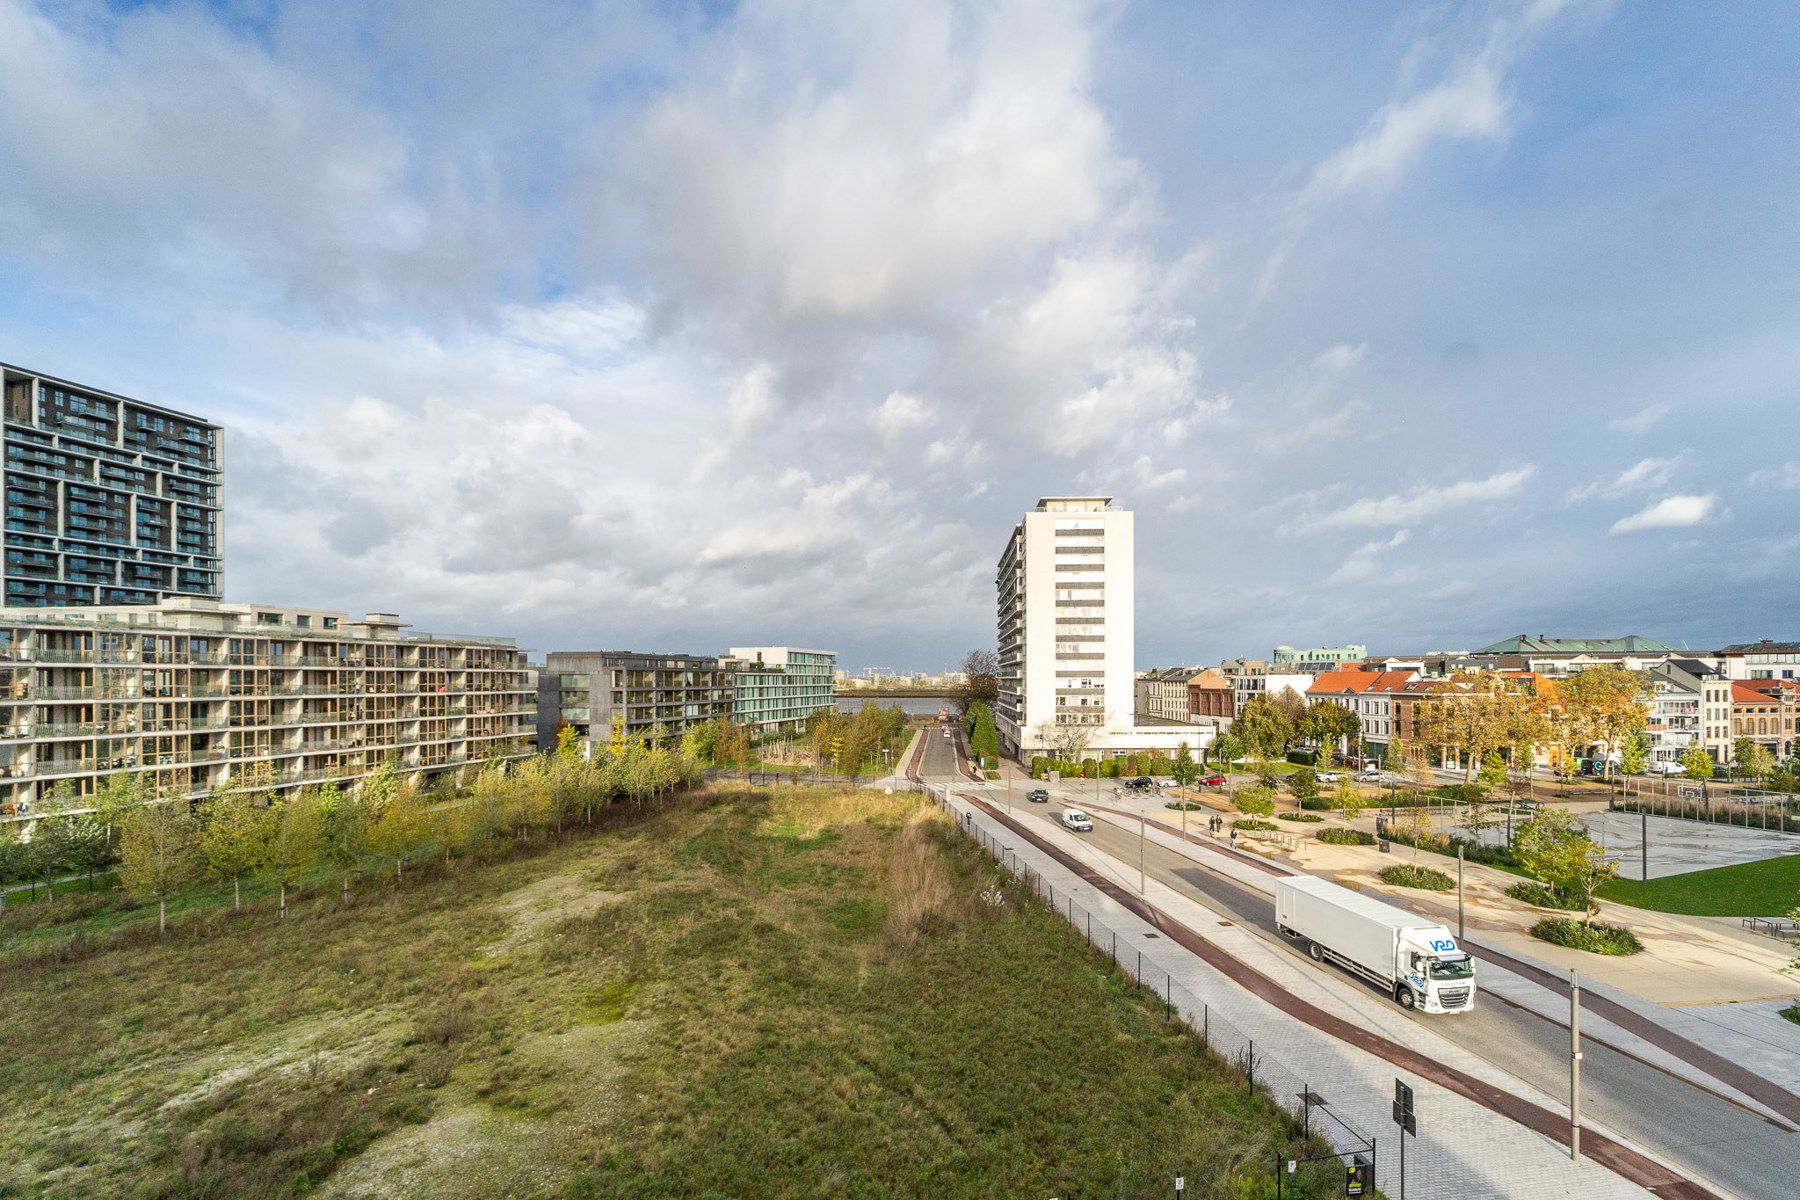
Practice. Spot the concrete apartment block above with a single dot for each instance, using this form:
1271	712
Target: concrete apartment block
109	500
193	693
645	695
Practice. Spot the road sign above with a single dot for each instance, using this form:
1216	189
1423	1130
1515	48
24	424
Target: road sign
1180	1184
1357	1174
1405	1120
1402	1097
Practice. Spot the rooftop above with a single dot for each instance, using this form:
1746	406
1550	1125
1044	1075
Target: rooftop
1526	644
1763	647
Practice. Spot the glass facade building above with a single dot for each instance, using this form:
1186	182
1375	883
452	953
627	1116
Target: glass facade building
779	687
109	500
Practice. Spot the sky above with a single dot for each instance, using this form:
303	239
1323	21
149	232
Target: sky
685	326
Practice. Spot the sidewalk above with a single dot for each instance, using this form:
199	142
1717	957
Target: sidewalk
1717	987
1464	1149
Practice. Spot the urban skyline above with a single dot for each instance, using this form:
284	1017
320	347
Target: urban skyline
1367	374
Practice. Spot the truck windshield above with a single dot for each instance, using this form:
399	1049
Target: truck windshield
1452	968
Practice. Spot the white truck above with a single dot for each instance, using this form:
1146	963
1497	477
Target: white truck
1415	959
1076	820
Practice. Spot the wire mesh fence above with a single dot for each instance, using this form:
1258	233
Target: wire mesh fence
1334	1142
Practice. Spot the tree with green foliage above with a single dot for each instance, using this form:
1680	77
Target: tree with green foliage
1347	798
1304	784
1393	756
345	831
403	826
1227	748
1752	758
981	680
235	829
1184	770
1264	727
296	841
1696	762
117	795
1330	724
1634	756
1258	801
1493	770
158	854
1554	847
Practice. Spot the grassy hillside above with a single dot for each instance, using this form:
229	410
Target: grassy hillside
738	996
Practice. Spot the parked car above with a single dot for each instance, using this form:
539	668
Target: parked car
1038	796
1329	776
1075	819
1143	783
1213	781
1368	775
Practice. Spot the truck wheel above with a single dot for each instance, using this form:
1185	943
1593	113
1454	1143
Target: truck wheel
1317	951
1404	996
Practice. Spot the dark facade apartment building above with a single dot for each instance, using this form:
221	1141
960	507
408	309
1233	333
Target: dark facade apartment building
109	500
639	695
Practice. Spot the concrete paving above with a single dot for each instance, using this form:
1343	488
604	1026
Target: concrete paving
1677	846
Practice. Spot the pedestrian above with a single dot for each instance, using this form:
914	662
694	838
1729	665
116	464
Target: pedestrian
1234	835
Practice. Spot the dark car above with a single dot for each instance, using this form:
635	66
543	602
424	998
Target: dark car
1038	796
1213	781
1143	783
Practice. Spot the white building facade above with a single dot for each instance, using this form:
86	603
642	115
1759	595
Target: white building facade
1066	620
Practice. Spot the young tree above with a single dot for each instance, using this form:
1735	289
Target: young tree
1753	758
1258	801
234	834
1304	783
1696	762
1555	848
345	831
296	841
1393	757
1493	770
1185	770
1635	755
116	796
1330	724
403	826
158	854
1227	748
51	853
1347	798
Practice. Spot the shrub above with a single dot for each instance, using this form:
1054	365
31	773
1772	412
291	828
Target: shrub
1408	875
1462	793
1792	1012
1188	805
1257	801
1316	804
1540	896
1346	837
1249	823
1305	758
1301	816
1595	938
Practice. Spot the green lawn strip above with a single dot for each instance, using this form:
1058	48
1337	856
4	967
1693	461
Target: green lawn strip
738	1019
1767	888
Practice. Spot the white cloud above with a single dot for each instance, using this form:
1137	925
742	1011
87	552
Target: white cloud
899	413
1644	475
1176	429
1149	479
1783	475
1426	501
1642	420
1671	512
1342	357
1363	564
1468	105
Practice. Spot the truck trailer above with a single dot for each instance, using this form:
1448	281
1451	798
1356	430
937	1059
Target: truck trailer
1414	959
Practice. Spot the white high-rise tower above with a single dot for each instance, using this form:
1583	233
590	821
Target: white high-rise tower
1064	589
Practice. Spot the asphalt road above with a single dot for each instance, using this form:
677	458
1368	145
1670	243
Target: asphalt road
1716	1139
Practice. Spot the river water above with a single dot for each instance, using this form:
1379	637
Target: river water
913	706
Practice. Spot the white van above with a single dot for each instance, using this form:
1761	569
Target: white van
1075	819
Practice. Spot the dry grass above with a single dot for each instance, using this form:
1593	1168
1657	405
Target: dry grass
917	887
786	994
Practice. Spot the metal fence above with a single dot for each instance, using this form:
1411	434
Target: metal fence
1335	1143
1777	812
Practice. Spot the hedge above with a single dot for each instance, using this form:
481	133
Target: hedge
1541	896
1408	875
1595	938
1301	816
1253	823
1346	837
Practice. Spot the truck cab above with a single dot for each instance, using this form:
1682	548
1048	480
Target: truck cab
1435	974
